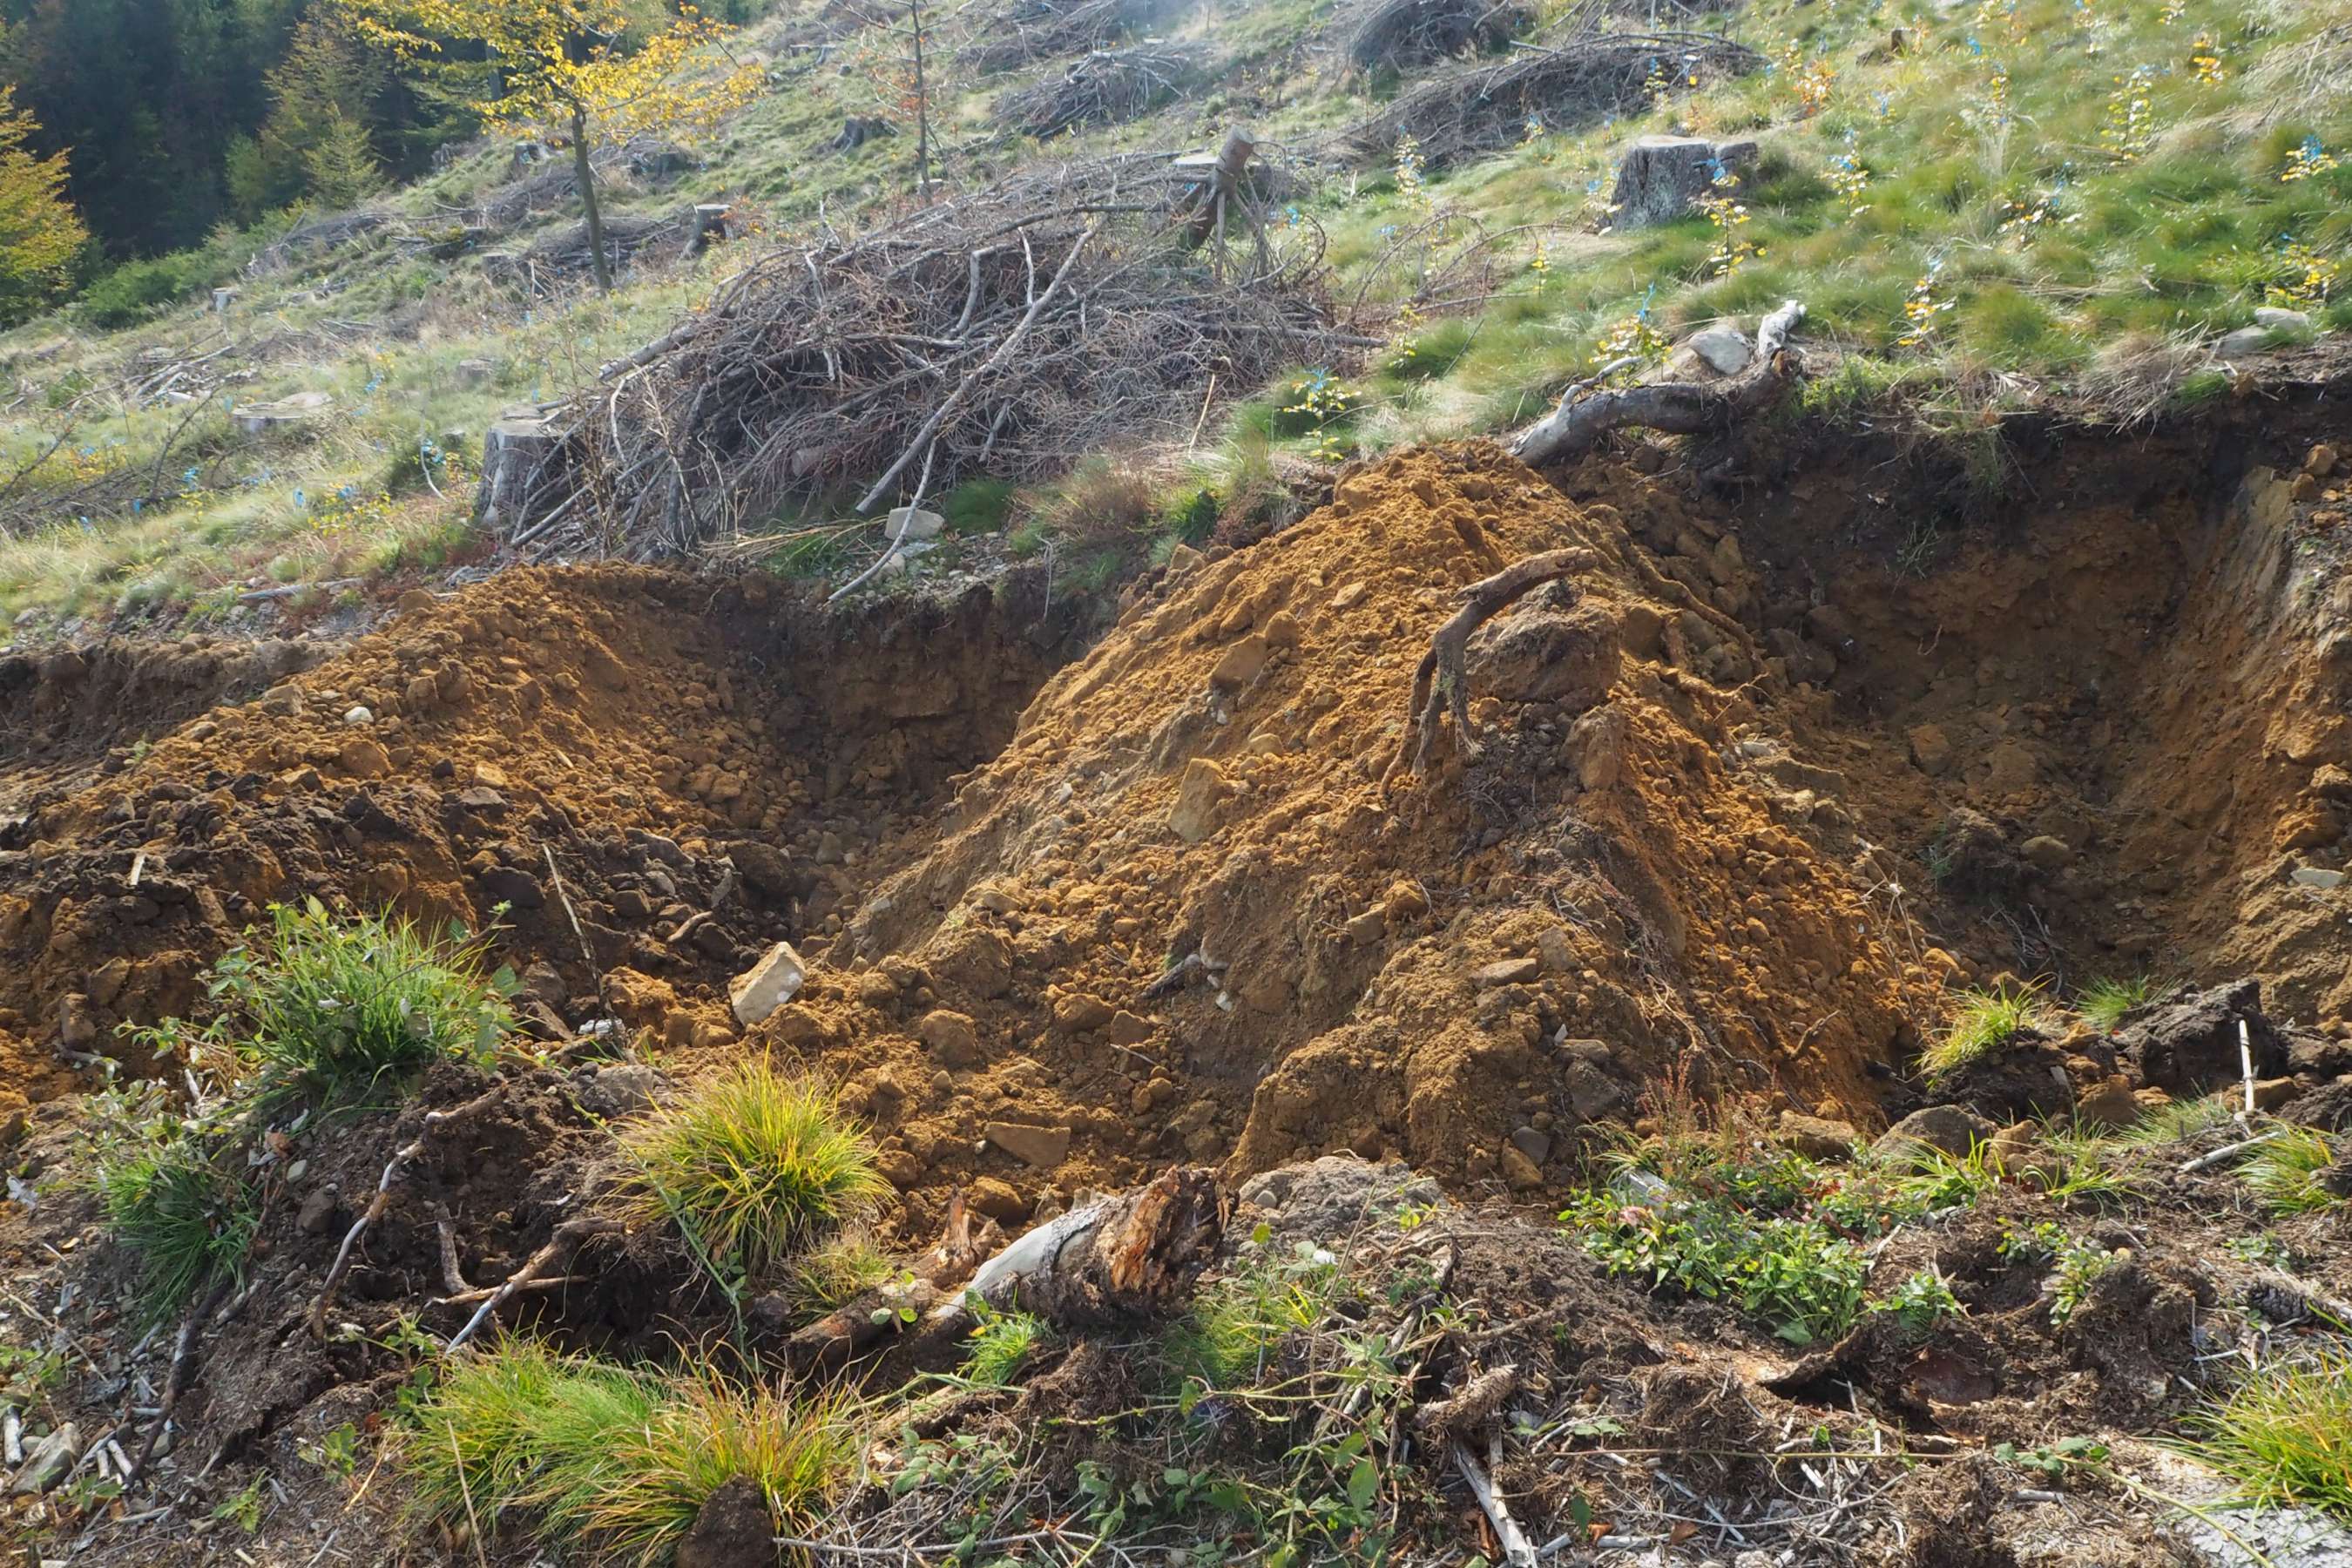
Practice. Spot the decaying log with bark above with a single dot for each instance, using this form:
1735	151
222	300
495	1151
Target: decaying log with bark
1684	408
1115	1261
1443	681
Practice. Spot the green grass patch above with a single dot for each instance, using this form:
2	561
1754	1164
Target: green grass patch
752	1165
1000	1344
1984	1021
182	1204
2103	1003
345	1012
834	1273
576	1452
2285	1435
2285	1172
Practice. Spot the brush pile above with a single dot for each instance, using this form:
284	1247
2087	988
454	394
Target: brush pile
1399	34
564	252
1107	87
1013	331
1580	71
1043	29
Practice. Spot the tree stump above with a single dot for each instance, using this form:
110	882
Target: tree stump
1660	178
857	129
518	451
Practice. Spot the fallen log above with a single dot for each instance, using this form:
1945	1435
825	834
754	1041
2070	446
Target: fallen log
1678	408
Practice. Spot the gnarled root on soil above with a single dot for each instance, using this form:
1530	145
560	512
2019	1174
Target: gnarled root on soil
1443	681
1682	408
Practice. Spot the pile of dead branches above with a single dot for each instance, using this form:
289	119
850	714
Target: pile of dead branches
1581	71
1107	87
1009	332
1399	34
1042	29
564	254
311	236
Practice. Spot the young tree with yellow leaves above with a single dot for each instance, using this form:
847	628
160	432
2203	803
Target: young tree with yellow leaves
40	233
567	65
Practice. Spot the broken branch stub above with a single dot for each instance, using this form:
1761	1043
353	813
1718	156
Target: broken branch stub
1442	681
1682	408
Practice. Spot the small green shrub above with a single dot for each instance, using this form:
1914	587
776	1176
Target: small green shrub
1920	1305
1984	1021
751	1166
2077	1264
2284	1172
834	1274
616	1461
342	1010
2283	1433
1236	1325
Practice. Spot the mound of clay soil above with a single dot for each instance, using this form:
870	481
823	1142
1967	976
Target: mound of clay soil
1464	971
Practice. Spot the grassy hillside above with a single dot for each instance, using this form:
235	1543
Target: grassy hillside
1986	208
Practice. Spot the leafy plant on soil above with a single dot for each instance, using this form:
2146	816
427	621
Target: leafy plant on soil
751	1166
1000	1343
1793	1275
2077	1264
1923	1303
2285	1172
340	1011
2285	1433
616	1459
831	1275
1984	1021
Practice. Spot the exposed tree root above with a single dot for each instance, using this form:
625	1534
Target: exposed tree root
1442	681
1682	408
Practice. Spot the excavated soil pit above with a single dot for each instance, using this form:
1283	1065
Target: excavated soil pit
700	768
2103	736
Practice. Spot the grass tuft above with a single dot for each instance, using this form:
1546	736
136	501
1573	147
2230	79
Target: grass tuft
344	1010
751	1166
833	1274
2283	1435
616	1461
2104	1003
1000	1344
2284	1172
187	1219
1983	1021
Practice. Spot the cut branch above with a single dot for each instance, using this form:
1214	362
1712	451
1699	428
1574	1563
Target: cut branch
1443	681
568	1236
1684	408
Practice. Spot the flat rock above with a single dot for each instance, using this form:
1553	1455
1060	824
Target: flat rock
1723	350
1507	972
1043	1147
1817	1137
767	984
1202	791
47	1461
1948	1129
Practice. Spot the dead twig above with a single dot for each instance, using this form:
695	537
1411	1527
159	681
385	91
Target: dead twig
1443	681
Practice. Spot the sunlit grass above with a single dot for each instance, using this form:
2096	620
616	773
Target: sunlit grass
1981	1023
2285	1433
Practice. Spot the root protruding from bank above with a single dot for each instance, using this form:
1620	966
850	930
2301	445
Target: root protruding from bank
1442	681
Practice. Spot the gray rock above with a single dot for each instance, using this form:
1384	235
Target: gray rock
1723	350
624	1088
1534	1142
1948	1129
2318	876
2273	319
2244	342
48	1460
